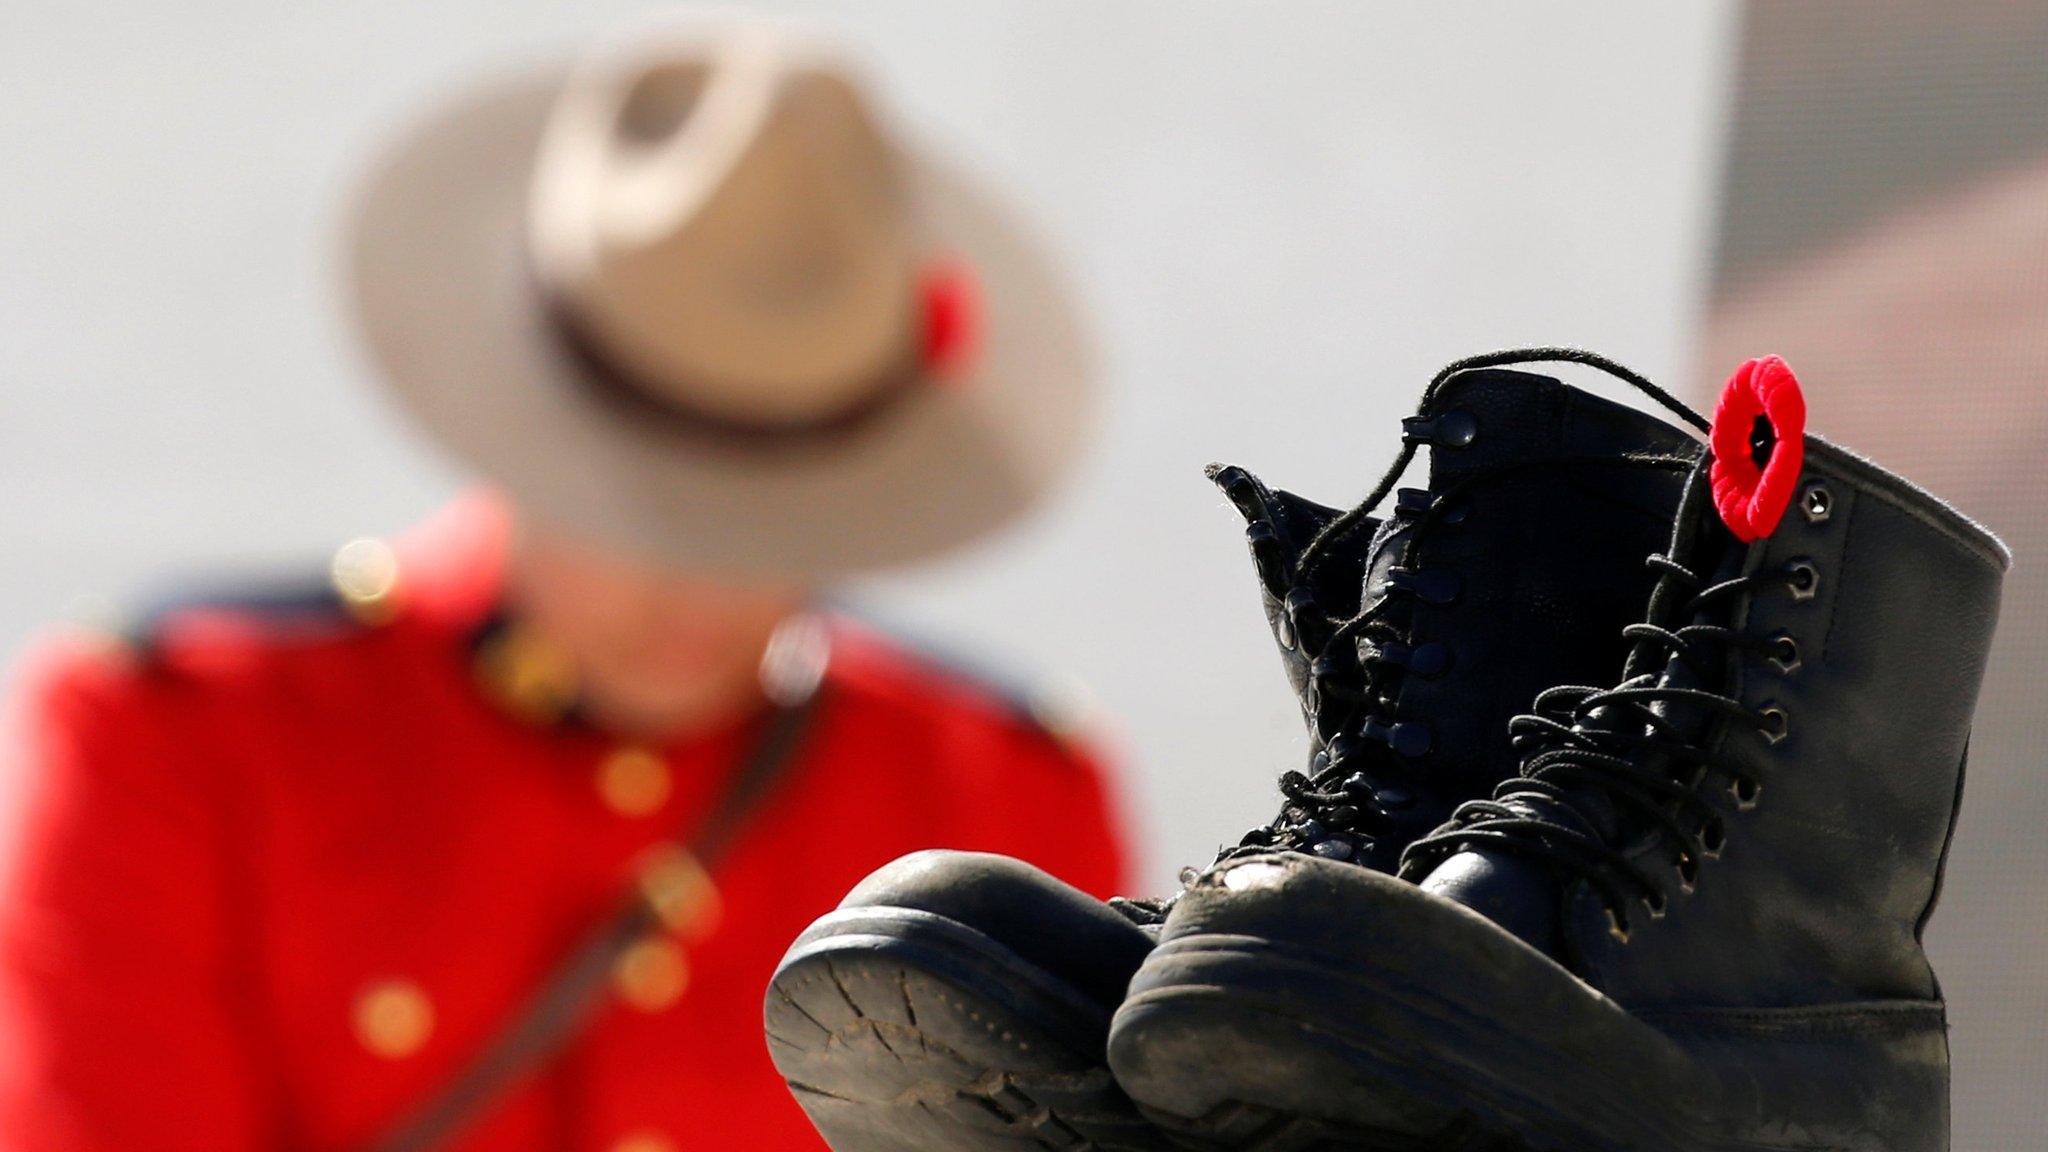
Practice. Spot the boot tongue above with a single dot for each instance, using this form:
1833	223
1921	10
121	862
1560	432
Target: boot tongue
1524	896
1301	609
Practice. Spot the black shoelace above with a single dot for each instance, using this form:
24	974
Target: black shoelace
1602	767
1368	772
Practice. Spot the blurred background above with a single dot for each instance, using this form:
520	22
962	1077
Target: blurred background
1282	219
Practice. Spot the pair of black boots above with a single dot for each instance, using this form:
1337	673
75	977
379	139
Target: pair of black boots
1679	913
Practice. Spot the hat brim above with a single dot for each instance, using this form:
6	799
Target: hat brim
446	304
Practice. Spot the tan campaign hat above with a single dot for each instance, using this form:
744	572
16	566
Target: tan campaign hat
688	298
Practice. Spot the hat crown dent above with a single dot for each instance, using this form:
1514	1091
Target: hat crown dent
725	219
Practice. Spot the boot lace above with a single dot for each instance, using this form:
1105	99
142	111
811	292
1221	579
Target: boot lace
1368	771
1602	767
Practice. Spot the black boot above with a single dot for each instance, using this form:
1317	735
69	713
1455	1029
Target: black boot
958	1001
1692	923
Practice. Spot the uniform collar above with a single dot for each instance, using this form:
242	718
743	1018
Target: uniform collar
452	578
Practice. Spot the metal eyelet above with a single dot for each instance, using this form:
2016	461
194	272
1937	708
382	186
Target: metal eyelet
1817	503
1745	791
1615	927
1785	652
1713	838
1657	906
1688	875
1805	578
1776	725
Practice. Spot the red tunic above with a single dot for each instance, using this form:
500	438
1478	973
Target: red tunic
275	875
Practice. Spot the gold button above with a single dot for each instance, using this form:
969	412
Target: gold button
526	675
633	782
393	1018
645	1142
674	883
651	974
365	575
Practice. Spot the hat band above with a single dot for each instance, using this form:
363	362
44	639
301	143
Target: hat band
605	376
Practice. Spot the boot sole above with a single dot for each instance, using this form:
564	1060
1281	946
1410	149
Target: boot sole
1231	1068
1456	1042
899	1030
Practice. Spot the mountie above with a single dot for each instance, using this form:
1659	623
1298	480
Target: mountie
1692	923
960	1002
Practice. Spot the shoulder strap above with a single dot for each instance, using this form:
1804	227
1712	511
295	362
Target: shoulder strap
567	999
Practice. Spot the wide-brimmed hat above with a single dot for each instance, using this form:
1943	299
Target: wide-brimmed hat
688	298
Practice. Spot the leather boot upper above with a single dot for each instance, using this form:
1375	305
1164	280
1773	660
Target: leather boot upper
1514	569
1813	773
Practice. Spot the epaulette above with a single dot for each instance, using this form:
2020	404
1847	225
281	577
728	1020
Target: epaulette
353	592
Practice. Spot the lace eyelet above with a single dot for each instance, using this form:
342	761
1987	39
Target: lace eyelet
1713	838
1657	905
1745	791
1410	739
1299	600
1416	503
1430	585
1454	429
1817	503
1785	653
1773	723
1267	556
1688	875
1805	578
1342	747
1393	798
1615	927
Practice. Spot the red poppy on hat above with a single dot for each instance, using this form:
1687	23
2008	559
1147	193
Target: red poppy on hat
951	299
1759	443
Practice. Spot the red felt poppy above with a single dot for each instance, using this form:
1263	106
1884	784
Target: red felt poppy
951	299
1759	443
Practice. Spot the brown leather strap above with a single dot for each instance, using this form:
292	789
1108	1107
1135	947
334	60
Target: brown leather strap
558	1011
